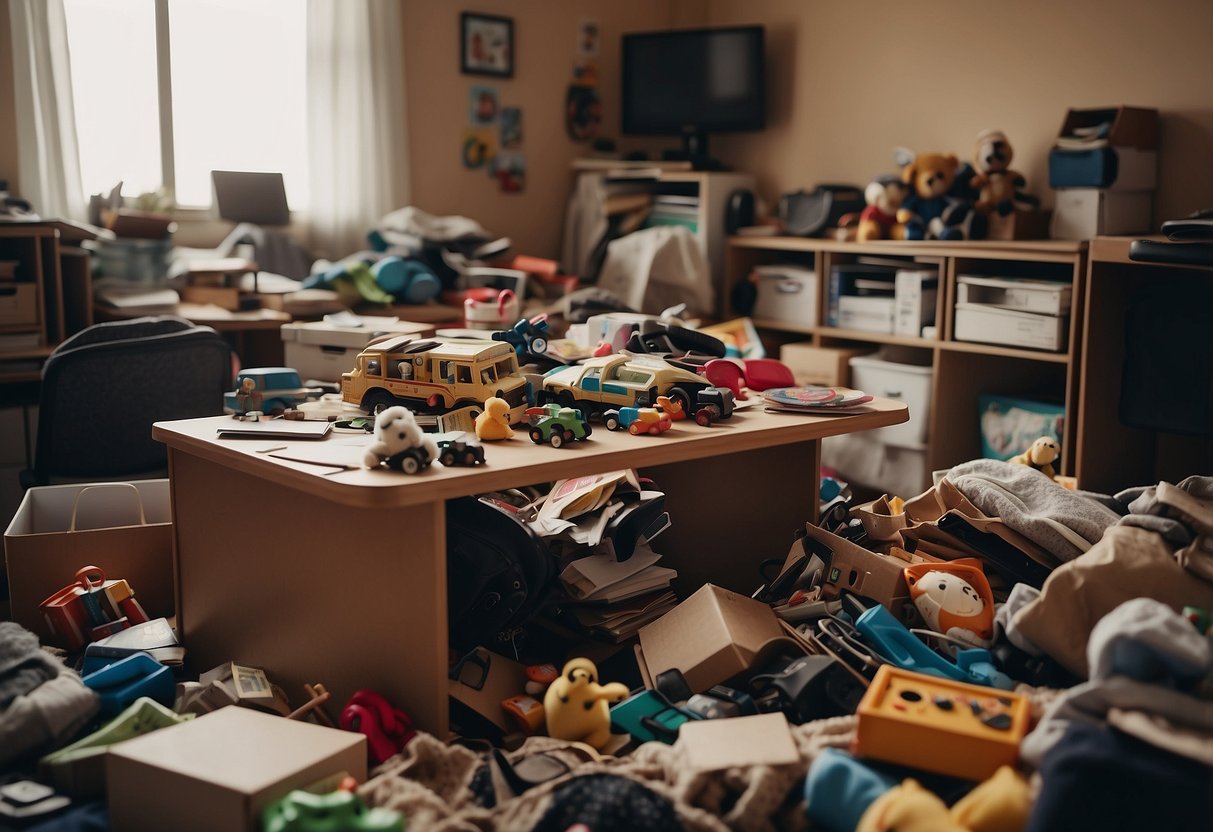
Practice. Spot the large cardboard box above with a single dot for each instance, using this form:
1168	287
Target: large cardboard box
712	636
825	366
221	770
124	528
1083	213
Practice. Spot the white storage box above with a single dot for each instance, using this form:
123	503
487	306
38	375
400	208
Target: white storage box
908	383
991	325
322	351
787	294
1083	213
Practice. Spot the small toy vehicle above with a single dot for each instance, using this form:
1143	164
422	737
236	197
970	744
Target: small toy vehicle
410	460
460	452
713	404
556	425
673	407
526	336
273	390
328	408
638	420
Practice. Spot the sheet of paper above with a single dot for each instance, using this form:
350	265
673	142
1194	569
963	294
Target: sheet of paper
588	575
713	744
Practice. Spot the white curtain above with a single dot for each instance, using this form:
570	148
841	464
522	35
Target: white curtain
357	139
48	167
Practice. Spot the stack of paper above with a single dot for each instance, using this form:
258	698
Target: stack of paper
818	401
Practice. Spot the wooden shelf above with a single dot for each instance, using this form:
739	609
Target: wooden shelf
962	371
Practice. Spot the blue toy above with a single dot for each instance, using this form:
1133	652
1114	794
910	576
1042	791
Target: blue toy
526	336
121	683
408	281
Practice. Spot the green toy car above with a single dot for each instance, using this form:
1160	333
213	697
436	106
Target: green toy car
556	425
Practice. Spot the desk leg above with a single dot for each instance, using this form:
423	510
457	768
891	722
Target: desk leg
729	513
312	591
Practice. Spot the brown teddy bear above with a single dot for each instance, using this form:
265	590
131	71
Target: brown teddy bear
930	177
997	185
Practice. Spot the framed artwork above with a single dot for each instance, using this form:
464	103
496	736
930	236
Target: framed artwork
486	45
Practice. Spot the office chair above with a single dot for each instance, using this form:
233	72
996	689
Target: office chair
104	387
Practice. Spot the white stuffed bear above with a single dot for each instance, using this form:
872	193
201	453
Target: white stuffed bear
396	431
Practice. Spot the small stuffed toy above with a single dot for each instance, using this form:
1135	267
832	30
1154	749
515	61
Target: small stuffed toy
878	221
494	422
577	707
1000	804
931	210
396	433
954	598
997	185
1041	456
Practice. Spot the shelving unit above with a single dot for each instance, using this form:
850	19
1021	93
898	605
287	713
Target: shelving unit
961	370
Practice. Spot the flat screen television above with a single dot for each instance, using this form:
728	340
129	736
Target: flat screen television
692	82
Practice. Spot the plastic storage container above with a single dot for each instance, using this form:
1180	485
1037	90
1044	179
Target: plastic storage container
908	383
786	293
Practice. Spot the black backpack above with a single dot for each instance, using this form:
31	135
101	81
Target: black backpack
498	572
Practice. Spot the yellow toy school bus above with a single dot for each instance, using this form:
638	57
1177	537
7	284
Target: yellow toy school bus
435	376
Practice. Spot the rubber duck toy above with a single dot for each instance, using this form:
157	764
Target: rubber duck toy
1041	456
494	422
577	708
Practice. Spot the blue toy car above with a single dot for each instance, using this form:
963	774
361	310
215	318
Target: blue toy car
273	390
526	336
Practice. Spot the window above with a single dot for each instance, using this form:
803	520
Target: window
167	90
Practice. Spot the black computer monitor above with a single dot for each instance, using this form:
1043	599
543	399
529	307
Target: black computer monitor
692	82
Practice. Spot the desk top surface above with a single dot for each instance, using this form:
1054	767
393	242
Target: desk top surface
509	463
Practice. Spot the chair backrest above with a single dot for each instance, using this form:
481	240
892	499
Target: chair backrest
103	388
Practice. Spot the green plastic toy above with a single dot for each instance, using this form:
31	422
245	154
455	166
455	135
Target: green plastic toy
339	811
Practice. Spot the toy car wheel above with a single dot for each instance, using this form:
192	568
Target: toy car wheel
447	458
539	346
703	418
634	428
556	439
470	458
569	436
537	436
588	430
611	420
680	398
410	465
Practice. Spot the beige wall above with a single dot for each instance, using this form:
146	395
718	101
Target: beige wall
544	40
847	83
850	81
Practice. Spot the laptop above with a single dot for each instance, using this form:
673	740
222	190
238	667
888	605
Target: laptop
247	196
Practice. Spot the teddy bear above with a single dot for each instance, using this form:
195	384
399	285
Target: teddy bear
878	221
577	708
997	186
930	210
494	422
396	435
1040	455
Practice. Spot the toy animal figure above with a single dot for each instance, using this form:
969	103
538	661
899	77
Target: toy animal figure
1041	456
997	185
878	221
494	422
400	442
930	211
1000	804
954	598
577	707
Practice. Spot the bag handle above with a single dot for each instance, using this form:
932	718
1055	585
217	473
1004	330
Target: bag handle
138	500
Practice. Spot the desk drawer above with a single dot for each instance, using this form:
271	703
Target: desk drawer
18	304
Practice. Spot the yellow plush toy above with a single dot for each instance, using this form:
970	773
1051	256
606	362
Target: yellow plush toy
1000	804
494	422
1041	456
577	707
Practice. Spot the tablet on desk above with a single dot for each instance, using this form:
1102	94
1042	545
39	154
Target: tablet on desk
276	428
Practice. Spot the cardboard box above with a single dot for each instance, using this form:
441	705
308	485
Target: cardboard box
221	770
1020	224
786	293
18	304
322	351
991	325
711	637
825	366
1083	213
1135	127
124	528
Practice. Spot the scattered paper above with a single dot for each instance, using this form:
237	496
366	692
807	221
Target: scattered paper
713	744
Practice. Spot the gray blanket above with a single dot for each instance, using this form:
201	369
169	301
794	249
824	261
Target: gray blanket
23	664
1062	521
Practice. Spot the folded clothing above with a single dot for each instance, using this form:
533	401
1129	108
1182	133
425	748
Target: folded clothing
23	664
1063	522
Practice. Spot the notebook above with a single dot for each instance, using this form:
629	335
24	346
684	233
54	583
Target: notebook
277	428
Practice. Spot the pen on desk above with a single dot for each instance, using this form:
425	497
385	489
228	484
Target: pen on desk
271	450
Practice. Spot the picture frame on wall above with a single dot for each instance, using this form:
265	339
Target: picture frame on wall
486	45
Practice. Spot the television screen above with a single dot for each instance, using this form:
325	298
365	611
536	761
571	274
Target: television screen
701	80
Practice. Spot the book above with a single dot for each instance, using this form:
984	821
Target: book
155	637
275	428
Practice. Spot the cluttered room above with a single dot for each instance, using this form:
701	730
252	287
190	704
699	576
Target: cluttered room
599	416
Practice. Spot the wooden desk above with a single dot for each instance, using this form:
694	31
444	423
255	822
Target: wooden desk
340	578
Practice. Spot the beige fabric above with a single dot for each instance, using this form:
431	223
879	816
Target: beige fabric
429	783
1128	562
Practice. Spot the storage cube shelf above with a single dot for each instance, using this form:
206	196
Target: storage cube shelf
956	373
